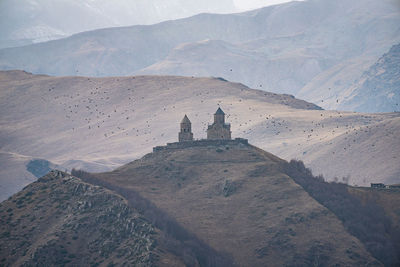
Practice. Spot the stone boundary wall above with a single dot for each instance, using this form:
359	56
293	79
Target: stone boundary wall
200	143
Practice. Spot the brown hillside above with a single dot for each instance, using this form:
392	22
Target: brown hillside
388	199
60	220
236	198
98	124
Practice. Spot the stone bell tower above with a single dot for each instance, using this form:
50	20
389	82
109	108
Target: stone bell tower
219	130
186	130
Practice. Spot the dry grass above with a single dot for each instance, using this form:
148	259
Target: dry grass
388	199
60	220
99	124
236	199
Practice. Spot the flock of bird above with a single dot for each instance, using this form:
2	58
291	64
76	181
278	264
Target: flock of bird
115	108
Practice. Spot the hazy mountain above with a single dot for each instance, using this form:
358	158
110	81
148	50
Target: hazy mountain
32	21
98	124
299	43
316	46
237	63
378	88
355	85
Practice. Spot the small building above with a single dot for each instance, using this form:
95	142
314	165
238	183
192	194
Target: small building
378	185
186	130
219	130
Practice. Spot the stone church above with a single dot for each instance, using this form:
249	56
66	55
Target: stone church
219	130
218	133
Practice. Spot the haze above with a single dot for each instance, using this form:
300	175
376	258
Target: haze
32	21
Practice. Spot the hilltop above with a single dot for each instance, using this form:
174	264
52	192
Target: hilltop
238	199
98	124
207	203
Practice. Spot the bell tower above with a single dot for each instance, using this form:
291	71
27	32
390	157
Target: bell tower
186	130
219	130
219	117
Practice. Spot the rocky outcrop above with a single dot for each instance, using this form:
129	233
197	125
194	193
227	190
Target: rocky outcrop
61	220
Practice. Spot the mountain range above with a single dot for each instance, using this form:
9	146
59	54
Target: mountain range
315	49
92	173
32	21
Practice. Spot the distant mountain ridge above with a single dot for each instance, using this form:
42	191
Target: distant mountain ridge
32	21
317	46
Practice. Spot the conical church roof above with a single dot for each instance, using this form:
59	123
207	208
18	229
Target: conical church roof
185	120
219	112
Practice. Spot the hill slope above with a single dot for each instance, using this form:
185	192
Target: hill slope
236	198
357	149
64	119
61	220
